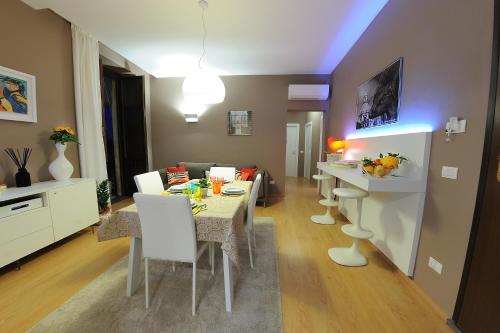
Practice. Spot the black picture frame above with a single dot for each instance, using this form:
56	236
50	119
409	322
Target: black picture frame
378	98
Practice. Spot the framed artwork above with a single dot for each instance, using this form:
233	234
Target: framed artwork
378	98
17	96
239	122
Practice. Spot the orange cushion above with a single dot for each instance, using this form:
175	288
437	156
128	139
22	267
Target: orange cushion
180	168
250	172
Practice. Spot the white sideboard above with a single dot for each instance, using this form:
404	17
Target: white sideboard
67	207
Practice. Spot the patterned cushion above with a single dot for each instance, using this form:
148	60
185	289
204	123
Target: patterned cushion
237	175
177	177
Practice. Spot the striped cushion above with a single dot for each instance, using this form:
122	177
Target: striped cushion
177	177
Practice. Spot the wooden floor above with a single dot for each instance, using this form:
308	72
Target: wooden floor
317	295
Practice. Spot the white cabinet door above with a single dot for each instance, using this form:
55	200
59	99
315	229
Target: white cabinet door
73	208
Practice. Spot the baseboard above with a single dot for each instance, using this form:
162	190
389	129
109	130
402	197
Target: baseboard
441	313
453	326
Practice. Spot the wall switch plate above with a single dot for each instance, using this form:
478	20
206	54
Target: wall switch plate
272	182
435	265
449	172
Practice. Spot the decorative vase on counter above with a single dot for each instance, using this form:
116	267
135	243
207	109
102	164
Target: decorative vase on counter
402	170
61	168
23	178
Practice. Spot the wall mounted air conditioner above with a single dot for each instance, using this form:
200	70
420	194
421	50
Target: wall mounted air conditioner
317	92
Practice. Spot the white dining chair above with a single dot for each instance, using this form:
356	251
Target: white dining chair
149	183
250	212
168	233
226	173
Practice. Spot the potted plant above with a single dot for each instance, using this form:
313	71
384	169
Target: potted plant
61	168
103	197
203	184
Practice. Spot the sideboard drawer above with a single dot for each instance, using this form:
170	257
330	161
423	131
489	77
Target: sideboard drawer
25	245
20	225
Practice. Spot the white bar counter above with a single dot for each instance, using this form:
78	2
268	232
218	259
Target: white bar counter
371	183
394	208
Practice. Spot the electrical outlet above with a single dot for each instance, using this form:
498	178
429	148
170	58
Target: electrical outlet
272	182
435	265
449	172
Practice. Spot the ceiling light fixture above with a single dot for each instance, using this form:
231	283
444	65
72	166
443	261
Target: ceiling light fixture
203	87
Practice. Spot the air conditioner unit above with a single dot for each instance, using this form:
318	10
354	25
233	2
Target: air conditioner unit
317	92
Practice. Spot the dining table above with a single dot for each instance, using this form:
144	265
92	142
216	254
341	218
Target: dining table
221	221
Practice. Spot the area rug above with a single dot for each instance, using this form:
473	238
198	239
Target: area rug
103	307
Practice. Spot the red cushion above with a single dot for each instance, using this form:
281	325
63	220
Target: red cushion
245	175
180	168
250	172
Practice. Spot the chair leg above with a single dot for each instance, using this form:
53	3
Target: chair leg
146	280
173	266
254	241
194	290
211	250
250	248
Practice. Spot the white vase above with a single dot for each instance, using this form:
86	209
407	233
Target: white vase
61	168
402	170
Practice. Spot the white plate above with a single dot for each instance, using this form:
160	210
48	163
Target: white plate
178	188
233	190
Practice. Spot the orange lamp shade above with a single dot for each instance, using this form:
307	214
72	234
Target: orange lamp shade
337	146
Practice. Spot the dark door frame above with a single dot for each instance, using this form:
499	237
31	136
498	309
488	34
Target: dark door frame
488	141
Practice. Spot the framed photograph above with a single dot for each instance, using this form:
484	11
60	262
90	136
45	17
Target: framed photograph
17	96
240	122
378	98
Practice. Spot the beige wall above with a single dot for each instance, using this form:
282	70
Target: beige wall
446	47
174	140
38	43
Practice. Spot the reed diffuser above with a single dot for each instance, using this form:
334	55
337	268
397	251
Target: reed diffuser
23	178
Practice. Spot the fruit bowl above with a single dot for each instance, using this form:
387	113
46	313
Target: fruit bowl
379	170
383	165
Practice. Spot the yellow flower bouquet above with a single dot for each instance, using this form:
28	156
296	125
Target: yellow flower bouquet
62	134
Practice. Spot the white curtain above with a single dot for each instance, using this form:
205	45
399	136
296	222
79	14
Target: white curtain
88	105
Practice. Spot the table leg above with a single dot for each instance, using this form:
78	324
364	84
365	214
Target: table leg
228	281
134	265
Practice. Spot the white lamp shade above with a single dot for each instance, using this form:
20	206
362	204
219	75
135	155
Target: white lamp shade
203	87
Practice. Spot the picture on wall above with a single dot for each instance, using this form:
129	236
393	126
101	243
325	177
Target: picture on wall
240	122
17	96
378	98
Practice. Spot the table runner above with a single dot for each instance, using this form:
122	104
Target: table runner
221	222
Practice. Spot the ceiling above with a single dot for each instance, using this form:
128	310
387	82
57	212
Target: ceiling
253	37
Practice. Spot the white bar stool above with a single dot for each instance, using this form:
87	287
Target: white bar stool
351	256
326	218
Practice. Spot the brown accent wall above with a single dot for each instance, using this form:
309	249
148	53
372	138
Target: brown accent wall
175	140
38	43
446	47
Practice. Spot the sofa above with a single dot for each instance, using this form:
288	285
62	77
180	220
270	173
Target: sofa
197	171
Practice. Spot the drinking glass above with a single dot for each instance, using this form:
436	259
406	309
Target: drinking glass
216	186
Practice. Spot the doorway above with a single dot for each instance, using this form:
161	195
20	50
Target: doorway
124	129
479	296
292	149
307	149
304	144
